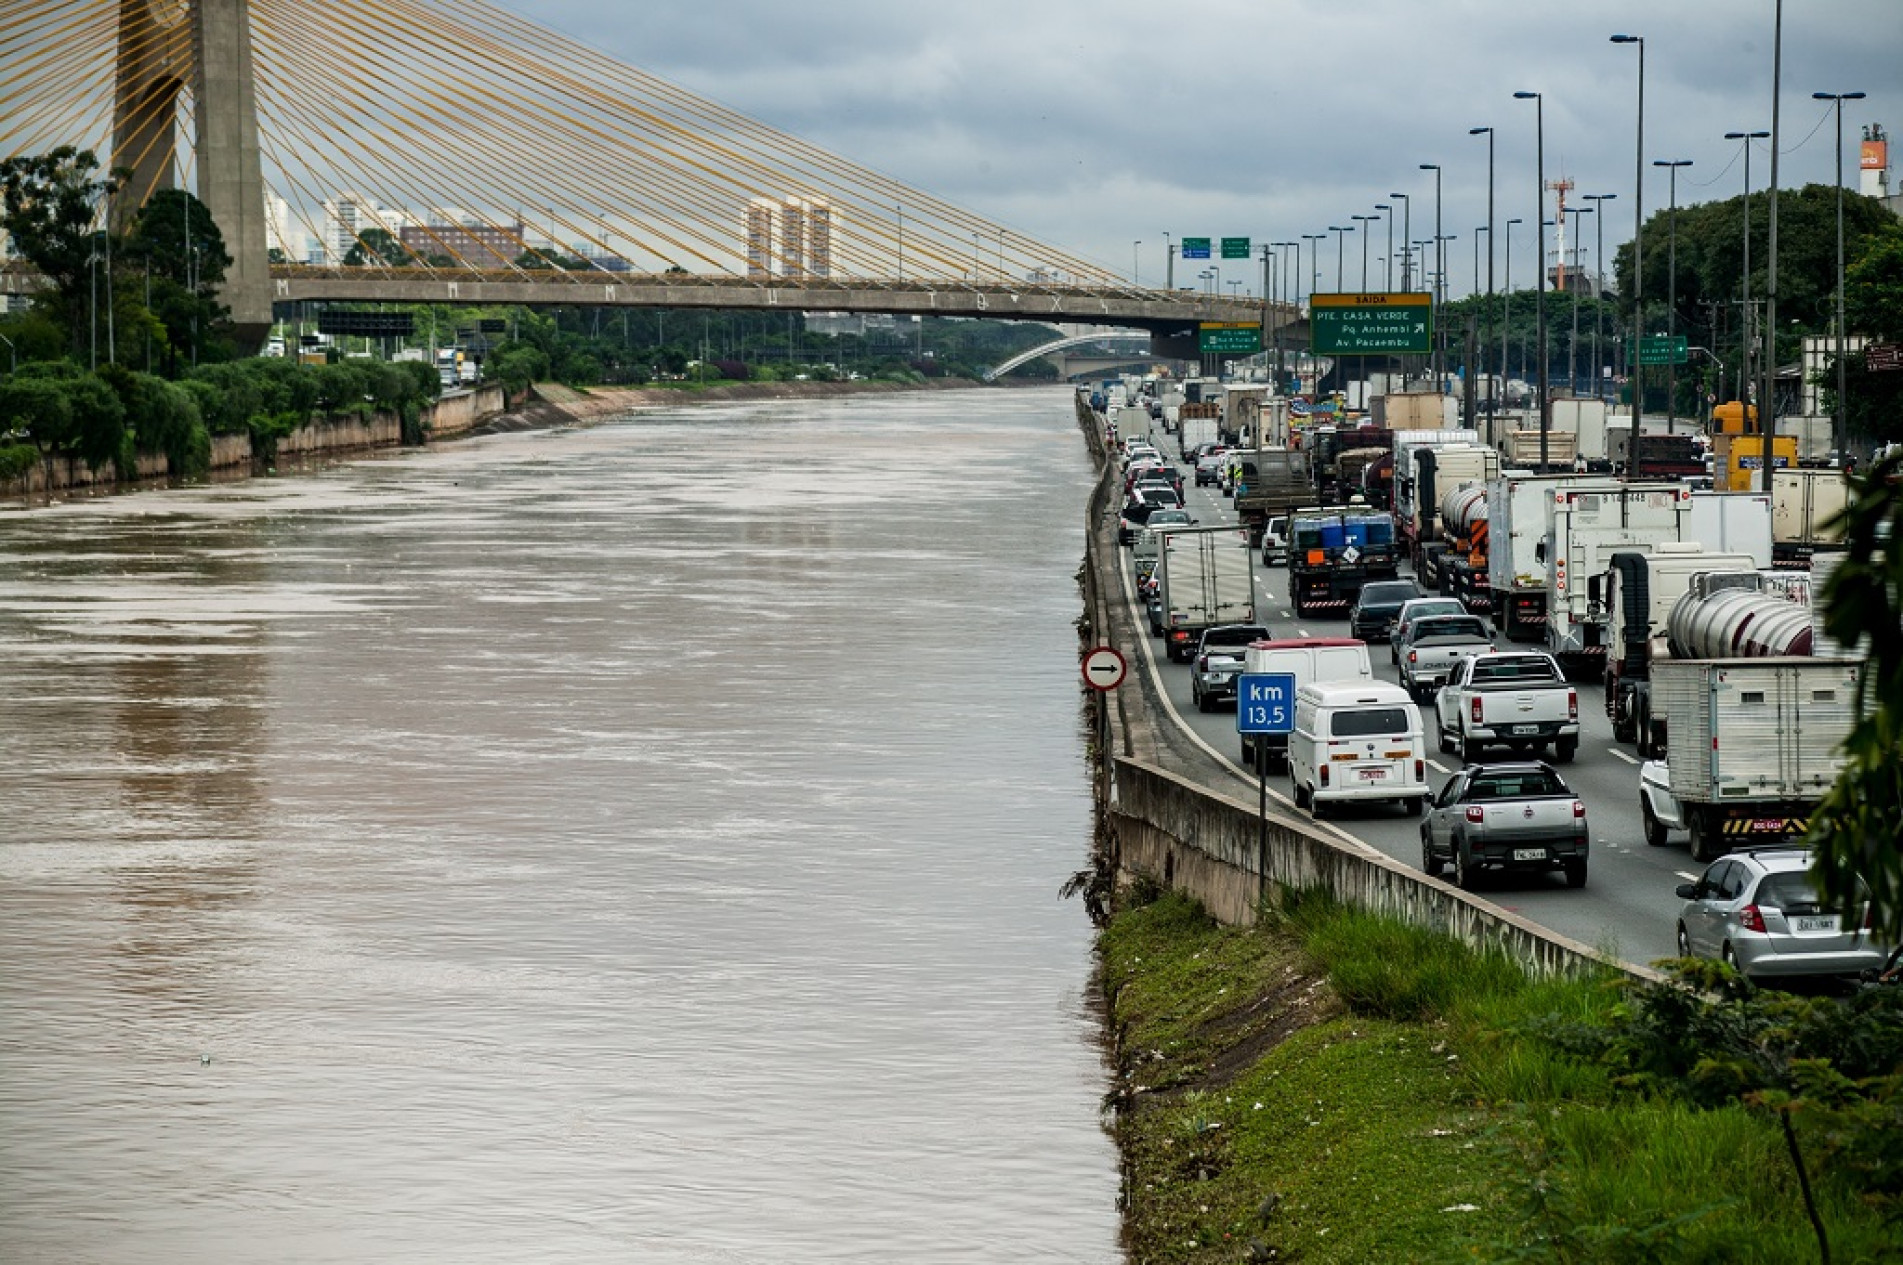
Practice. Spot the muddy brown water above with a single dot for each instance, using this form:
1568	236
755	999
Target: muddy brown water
638	842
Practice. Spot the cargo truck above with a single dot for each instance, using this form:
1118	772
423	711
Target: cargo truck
1519	513
1587	528
1205	577
1333	552
1274	481
1751	745
1738	460
1463	568
1803	503
1197	430
1731	522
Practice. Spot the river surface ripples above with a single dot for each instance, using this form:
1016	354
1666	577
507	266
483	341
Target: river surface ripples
631	842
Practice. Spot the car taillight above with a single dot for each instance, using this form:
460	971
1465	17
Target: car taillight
1202	664
1324	775
1750	919
1477	815
1572	704
1179	635
1413	657
1867	925
1420	770
1476	709
1579	810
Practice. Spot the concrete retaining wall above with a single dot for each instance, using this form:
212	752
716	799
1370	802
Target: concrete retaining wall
325	436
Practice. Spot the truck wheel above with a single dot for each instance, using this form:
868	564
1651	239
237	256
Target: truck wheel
1431	865
1440	736
1625	728
1413	805
1301	796
1465	872
1576	873
1470	750
1565	749
1315	806
1655	831
1704	847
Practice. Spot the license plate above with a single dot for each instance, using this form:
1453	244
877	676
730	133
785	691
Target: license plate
1529	854
1526	729
1373	775
1816	924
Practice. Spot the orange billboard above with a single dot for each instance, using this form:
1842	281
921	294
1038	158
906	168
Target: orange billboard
1876	156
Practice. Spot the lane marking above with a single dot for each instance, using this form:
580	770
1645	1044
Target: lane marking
1438	767
1622	755
1689	878
1223	762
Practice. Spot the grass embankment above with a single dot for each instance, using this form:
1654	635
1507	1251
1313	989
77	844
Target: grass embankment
1338	1087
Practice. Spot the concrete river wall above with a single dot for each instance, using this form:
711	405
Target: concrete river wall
1164	822
334	436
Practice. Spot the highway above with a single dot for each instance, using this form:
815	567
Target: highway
1627	907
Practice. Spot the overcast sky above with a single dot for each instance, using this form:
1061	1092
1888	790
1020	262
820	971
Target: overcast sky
1093	124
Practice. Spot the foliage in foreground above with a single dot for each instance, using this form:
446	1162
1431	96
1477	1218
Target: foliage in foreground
1340	1087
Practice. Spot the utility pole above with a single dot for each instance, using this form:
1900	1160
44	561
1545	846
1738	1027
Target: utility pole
1839	423
1767	412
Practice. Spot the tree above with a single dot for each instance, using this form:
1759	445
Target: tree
1873	305
51	203
176	239
376	247
1854	831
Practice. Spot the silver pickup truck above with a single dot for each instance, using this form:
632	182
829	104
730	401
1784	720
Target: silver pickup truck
1509	817
1514	699
1434	646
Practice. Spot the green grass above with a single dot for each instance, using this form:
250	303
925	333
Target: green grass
1398	1096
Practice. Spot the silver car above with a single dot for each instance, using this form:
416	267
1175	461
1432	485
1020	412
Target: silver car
1759	912
1519	816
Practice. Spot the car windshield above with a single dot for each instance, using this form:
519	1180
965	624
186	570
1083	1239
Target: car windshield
1519	784
1388	594
1169	518
1236	635
1525	668
1362	722
1423	607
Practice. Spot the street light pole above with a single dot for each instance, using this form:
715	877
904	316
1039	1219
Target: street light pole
1539	260
1476	131
1440	285
1671	286
1314	241
1638	257
1767	412
1407	235
1387	260
1506	302
1169	263
1839	422
1572	348
1341	254
1362	223
1136	263
1744	312
1599	201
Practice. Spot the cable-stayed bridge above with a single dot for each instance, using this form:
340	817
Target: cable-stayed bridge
450	151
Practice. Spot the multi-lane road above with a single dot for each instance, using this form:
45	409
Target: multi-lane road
1627	906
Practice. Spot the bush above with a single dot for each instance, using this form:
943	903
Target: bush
16	460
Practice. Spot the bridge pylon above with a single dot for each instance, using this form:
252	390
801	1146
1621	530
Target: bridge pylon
157	47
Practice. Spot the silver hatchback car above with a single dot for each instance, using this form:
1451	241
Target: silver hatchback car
1759	912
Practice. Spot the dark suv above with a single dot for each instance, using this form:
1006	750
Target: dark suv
1374	612
1217	663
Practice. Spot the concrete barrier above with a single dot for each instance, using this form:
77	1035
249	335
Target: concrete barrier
1168	825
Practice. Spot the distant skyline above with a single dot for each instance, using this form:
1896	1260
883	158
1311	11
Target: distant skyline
1094	126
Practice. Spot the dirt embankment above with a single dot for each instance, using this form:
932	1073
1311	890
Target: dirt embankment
549	404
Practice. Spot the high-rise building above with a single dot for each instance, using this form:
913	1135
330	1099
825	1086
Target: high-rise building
792	237
761	214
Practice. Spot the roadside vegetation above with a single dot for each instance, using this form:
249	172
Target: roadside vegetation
1333	1086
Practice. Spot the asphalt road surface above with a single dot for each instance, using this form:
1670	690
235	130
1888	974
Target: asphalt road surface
1627	907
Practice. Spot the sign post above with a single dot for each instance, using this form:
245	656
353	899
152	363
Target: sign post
1265	704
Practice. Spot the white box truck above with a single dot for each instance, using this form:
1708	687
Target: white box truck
1589	525
1206	577
1752	745
1519	514
1802	502
1732	522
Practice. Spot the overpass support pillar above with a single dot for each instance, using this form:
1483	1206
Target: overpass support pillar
230	175
1178	345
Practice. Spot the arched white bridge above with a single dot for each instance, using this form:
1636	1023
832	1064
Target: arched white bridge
1075	340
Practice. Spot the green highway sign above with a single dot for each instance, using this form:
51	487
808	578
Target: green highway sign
1229	338
1235	248
1195	248
1659	349
1371	324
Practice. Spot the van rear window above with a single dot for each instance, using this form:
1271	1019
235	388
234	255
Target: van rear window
1363	722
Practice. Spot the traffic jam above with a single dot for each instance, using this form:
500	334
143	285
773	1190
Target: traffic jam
1512	675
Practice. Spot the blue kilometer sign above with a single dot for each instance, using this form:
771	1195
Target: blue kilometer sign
1265	703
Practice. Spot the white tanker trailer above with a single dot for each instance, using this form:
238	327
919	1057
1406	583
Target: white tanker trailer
1736	621
1463	517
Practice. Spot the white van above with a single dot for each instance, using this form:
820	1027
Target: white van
1309	660
1354	743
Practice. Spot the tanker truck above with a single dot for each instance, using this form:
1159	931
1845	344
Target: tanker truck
1641	590
1463	524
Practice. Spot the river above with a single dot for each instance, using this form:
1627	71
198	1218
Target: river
629	842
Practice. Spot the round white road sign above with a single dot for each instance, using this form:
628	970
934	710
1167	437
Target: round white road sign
1104	669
